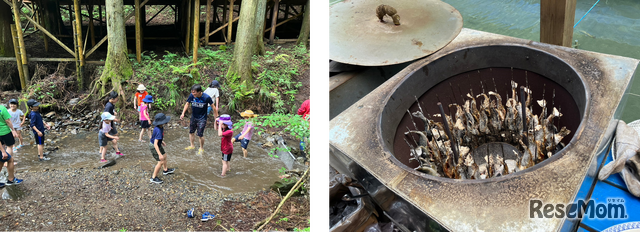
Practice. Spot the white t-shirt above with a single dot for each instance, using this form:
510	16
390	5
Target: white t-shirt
15	118
213	93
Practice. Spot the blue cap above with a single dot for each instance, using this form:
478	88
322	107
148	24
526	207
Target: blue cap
214	83
148	99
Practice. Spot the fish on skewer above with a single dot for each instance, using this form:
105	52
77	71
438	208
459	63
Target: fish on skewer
483	118
427	123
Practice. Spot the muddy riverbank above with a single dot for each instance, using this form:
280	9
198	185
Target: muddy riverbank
123	198
70	193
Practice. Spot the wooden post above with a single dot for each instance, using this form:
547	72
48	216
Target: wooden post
207	22
76	44
187	18
230	27
196	30
138	33
556	21
76	5
14	35
274	19
23	49
42	22
224	17
70	15
91	27
100	15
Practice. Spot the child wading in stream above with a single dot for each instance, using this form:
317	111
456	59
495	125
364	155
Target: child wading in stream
110	107
17	119
156	145
144	116
224	130
38	127
245	136
104	136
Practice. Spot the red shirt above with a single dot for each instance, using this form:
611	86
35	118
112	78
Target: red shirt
140	96
226	146
305	109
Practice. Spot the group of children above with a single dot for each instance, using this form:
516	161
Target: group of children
201	103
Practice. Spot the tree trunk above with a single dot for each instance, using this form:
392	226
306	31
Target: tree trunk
245	43
303	38
117	65
261	10
6	42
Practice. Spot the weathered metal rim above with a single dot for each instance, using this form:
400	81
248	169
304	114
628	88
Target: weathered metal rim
416	66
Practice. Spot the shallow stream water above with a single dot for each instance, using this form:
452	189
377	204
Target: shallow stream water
253	173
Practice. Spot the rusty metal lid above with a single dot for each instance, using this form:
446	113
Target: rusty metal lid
359	38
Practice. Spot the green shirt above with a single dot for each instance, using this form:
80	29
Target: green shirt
4	115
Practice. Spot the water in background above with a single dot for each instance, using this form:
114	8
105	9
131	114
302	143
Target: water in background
612	27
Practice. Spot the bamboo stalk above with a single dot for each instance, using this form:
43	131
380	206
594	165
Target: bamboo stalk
274	19
14	36
74	24
295	187
23	49
207	22
283	22
230	27
76	6
196	30
138	28
18	27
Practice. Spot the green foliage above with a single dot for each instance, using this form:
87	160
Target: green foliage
301	230
123	230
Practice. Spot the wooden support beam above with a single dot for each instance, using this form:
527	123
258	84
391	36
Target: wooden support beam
274	19
76	6
14	35
230	27
556	21
138	31
224	17
154	16
44	36
196	30
283	22
46	32
76	41
91	27
85	15
100	15
220	28
207	22
93	49
23	49
188	19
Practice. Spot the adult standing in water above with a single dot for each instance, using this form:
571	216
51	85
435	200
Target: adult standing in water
199	102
